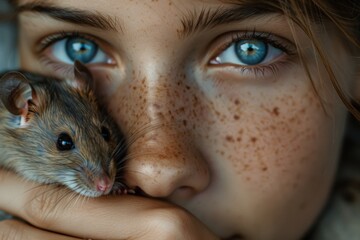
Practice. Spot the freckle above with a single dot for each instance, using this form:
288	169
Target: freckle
134	87
187	87
185	122
237	102
238	139
248	179
236	117
276	111
195	100
229	138
156	106
253	139
264	169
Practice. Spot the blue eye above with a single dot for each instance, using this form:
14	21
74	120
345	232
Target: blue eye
69	49
80	49
251	52
248	52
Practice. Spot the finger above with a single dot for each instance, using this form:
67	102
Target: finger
15	230
108	217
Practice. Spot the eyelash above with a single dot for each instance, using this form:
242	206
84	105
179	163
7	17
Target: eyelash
60	68
230	38
268	38
51	39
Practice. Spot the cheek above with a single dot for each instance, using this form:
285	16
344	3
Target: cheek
279	146
263	138
273	126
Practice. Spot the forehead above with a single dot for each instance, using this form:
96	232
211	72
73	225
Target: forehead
186	16
161	7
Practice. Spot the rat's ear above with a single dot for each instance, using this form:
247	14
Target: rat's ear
15	93
83	76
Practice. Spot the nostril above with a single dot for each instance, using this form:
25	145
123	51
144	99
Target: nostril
103	184
138	191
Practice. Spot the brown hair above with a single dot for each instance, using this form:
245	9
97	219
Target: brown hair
345	15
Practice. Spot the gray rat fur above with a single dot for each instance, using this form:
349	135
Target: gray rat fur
36	112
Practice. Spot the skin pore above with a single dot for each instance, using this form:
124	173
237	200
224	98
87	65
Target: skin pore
251	151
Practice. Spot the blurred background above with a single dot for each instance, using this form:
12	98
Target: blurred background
8	53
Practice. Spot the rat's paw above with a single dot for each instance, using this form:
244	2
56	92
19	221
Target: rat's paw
121	189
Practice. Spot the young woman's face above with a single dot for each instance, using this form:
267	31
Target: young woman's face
220	113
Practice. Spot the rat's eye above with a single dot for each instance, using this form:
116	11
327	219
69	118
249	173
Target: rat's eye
64	142
105	133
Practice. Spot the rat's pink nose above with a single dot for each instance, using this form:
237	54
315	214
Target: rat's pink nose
103	184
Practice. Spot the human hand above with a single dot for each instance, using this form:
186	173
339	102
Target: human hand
53	213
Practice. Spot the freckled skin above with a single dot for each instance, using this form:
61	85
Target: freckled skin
243	155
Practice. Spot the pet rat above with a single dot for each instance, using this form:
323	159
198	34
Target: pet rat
54	131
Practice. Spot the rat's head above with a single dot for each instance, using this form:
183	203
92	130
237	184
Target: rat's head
60	132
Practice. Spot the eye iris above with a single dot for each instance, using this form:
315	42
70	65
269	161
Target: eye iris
105	133
64	142
251	52
81	49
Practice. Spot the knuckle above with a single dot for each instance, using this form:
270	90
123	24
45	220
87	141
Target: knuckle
171	222
10	230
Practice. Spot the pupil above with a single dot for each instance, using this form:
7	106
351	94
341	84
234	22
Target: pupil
81	49
105	133
64	142
251	52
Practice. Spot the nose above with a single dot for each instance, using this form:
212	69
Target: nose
163	159
167	166
103	184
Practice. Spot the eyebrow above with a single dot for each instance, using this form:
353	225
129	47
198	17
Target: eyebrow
76	16
196	21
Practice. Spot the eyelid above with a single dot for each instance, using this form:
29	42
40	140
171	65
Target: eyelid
50	39
226	39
